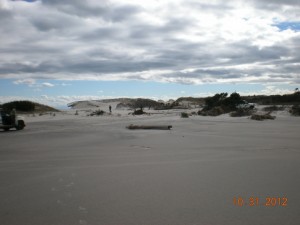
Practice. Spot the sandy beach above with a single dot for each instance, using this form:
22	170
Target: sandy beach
68	170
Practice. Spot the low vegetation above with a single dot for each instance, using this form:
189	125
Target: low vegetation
215	111
184	115
295	110
97	113
138	112
142	103
27	107
288	99
262	117
242	112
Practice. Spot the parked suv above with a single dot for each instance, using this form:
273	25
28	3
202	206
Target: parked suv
11	120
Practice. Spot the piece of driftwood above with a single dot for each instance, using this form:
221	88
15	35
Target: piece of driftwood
149	127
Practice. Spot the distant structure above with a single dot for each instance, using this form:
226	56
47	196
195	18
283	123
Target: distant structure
170	102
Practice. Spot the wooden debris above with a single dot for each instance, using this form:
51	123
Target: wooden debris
149	127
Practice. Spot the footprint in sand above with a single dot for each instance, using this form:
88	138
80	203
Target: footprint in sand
141	147
82	209
83	222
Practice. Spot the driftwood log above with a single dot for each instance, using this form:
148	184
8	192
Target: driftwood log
149	127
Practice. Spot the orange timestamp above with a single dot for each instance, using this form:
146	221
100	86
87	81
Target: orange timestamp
256	201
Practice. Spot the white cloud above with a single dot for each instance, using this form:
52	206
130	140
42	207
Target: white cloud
4	5
47	84
166	41
32	83
29	81
64	84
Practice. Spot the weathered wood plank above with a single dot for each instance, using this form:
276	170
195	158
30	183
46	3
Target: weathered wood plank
149	127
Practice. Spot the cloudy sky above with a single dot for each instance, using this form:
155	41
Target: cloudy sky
56	52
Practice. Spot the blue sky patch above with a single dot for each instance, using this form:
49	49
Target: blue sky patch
288	25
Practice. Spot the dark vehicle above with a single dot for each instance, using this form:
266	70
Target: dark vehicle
11	120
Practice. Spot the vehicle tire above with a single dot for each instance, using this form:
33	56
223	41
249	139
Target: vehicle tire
20	125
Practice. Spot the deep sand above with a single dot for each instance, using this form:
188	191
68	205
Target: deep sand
93	171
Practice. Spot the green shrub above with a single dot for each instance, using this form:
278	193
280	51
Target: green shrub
227	104
184	115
